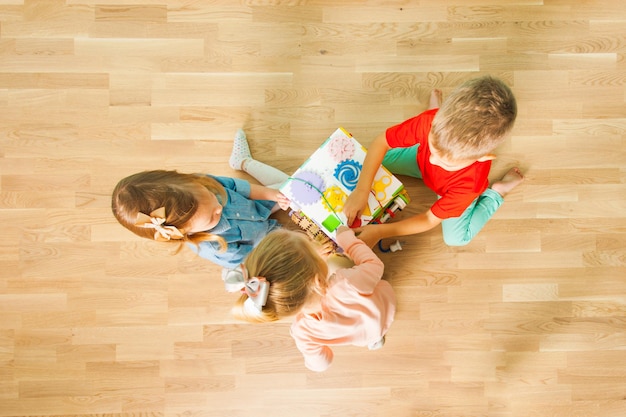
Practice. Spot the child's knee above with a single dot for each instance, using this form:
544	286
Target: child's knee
456	240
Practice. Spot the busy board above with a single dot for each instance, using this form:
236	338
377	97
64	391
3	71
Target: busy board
320	186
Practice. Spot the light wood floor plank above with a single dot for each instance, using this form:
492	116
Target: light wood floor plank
527	320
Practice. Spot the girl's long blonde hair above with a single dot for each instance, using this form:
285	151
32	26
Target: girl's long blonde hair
147	191
290	262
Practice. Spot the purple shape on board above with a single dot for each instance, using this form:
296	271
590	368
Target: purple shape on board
307	187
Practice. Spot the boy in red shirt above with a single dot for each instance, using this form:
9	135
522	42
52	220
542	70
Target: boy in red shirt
450	149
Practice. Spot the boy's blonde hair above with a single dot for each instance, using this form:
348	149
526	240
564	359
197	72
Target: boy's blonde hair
474	119
290	262
147	191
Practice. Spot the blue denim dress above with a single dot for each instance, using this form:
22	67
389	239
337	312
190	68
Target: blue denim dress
243	224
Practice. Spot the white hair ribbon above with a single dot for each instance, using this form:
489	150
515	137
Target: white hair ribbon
256	288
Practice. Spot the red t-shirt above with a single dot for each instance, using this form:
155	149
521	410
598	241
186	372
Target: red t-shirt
457	189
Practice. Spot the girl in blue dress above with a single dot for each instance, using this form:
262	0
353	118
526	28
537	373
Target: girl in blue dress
220	218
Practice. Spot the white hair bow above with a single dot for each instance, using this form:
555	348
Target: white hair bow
256	288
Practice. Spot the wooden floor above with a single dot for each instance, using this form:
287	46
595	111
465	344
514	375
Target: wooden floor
528	320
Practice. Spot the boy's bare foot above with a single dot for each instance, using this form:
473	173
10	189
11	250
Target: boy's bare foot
510	180
435	99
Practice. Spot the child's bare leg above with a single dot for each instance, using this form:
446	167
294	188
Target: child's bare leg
435	99
511	179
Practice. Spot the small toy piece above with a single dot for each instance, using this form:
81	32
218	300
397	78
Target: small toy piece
394	247
398	204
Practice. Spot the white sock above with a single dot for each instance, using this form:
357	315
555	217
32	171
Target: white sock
377	345
241	159
240	152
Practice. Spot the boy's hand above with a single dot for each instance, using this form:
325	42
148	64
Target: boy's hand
368	234
353	207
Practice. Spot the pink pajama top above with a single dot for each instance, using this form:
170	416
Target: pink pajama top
358	308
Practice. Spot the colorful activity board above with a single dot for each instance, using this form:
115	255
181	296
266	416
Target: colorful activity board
320	187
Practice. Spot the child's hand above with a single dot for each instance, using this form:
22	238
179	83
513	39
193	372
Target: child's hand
283	202
342	228
325	249
353	207
368	234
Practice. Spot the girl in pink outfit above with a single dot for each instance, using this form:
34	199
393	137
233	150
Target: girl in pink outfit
285	275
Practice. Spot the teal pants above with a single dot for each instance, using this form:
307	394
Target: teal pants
457	231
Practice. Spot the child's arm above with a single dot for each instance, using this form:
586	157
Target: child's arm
368	269
357	200
419	223
260	192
